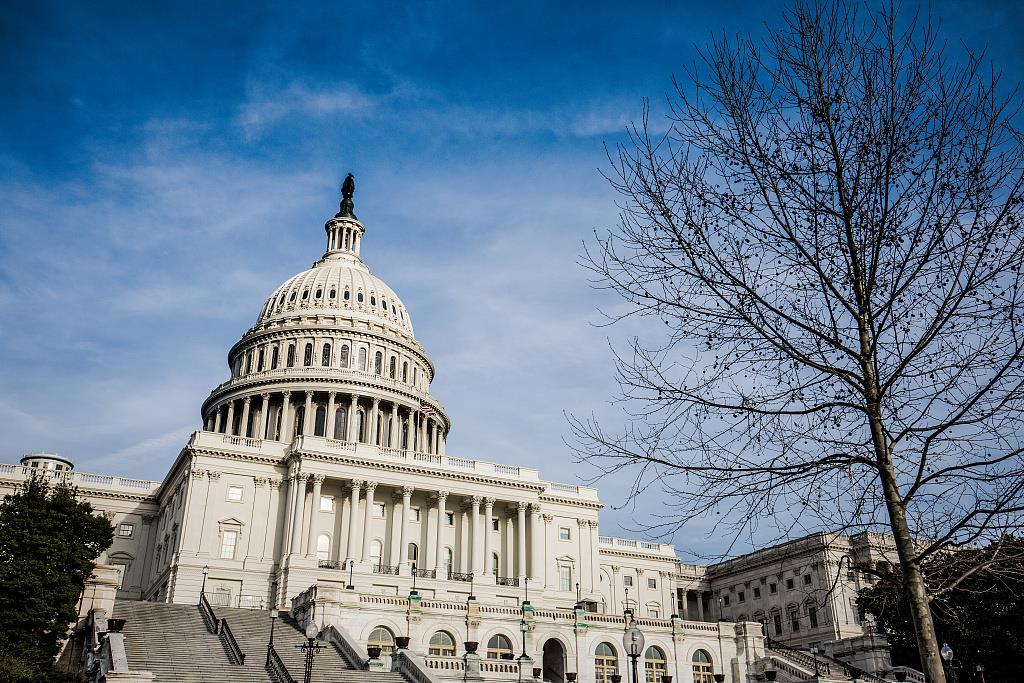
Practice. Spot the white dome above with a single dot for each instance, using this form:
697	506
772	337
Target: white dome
338	283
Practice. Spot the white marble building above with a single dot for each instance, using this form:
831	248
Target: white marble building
322	463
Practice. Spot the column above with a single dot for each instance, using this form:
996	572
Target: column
264	416
404	537
289	508
700	605
364	555
550	569
286	423
536	543
585	568
332	412
216	421
442	501
300	500
353	510
308	418
374	439
230	428
595	560
243	426
488	513
422	444
394	435
686	606
521	540
474	535
314	516
433	436
353	419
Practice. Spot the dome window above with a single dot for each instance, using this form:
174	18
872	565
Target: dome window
373	300
334	294
319	293
392	309
347	295
307	357
292	298
359	297
400	314
384	305
305	294
344	356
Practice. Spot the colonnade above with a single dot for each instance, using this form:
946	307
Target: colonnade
705	605
279	416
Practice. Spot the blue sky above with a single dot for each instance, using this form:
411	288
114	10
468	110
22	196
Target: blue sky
166	167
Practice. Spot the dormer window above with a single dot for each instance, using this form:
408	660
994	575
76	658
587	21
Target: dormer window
359	297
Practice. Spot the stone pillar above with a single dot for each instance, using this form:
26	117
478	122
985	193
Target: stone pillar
300	500
442	501
441	440
700	605
308	417
521	540
433	436
374	439
394	434
488	513
685	614
550	569
230	428
314	516
286	422
536	543
474	535
216	421
353	419
243	426
353	510
595	562
289	508
422	443
404	537
264	415
332	414
364	555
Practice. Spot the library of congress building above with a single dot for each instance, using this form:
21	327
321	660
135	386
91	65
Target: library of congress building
318	490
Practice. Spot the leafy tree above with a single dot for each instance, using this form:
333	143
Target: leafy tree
828	228
49	541
981	616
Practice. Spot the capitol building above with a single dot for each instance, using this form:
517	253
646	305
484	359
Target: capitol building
318	485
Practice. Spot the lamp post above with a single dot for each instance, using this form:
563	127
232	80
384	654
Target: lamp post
351	566
526	590
414	579
270	646
980	668
579	596
309	648
946	652
206	570
523	628
471	596
814	653
633	643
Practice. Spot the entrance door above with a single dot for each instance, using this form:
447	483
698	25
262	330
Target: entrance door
554	662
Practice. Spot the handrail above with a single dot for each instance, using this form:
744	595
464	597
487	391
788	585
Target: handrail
230	644
350	649
276	668
411	667
209	618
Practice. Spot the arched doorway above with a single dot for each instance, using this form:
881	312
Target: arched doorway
554	662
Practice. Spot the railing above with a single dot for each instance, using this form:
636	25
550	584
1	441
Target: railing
227	638
246	441
220	599
276	668
564	488
330	564
506	581
252	601
800	657
411	667
350	649
386	569
459	576
81	478
425	573
209	618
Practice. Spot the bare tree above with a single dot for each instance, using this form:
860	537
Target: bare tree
830	231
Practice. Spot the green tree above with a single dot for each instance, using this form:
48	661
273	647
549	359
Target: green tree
981	616
49	541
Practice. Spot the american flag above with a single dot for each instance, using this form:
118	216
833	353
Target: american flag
426	408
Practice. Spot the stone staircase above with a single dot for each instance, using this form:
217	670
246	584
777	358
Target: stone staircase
172	641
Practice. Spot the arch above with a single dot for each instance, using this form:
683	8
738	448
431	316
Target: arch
495	561
323	547
320	425
412	553
703	667
606	662
376	552
382	637
441	644
499	646
553	661
325	356
655	664
343	356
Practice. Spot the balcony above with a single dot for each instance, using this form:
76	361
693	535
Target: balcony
82	479
645	547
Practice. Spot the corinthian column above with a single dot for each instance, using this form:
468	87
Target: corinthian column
243	427
300	500
353	510
286	423
406	505
353	419
442	500
308	417
394	433
264	415
314	516
371	486
536	543
230	428
488	514
521	540
332	415
474	535
374	436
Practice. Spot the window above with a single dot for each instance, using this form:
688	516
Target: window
319	293
812	616
606	663
794	620
777	623
347	295
703	671
494	563
235	493
343	358
362	359
291	355
627	580
373	300
654	665
259	364
652	583
122	569
334	293
442	644
391	367
383	638
125	530
326	503
807	579
725	600
413	552
499	647
405	371
414	514
307	356
378	363
449	560
654	612
741	596
359	297
273	358
495	526
757	592
563	533
228	540
449	518
773	588
323	547
565	578
375	553
789	584
325	357
378	510
853	609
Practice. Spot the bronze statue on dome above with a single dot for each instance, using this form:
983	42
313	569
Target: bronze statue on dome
348	188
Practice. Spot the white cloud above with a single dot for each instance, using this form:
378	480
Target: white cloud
266	105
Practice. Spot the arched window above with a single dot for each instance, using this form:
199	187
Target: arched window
362	427
373	300
777	621
494	563
339	423
274	359
375	553
449	560
405	371
319	293
442	644
323	547
334	294
325	358
654	665
259	363
319	427
392	364
378	363
291	355
300	419
383	638
812	614
347	295
307	357
362	359
606	663
703	671
499	647
359	297
343	361
305	294
413	554
248	362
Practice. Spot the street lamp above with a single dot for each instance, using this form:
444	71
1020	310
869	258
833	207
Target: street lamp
633	642
414	579
526	590
273	620
471	596
309	648
206	570
523	628
980	668
947	656
814	653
